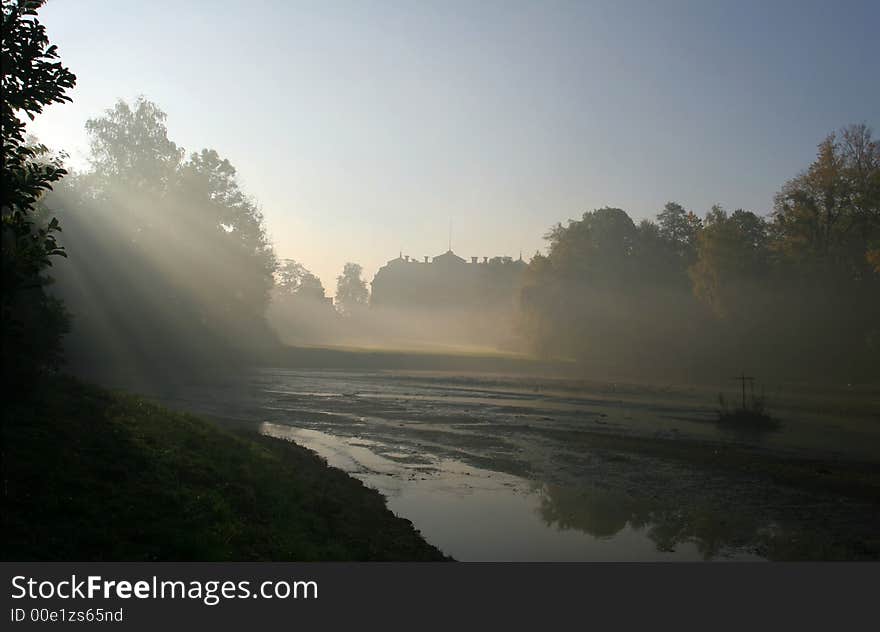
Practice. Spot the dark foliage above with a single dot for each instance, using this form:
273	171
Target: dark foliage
33	78
796	293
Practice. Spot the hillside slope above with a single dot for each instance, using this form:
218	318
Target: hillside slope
95	475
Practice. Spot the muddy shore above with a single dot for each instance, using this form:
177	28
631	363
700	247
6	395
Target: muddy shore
599	459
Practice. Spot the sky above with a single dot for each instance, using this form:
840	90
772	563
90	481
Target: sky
364	129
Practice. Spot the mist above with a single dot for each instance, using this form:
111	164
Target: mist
171	269
486	283
169	266
439	304
451	330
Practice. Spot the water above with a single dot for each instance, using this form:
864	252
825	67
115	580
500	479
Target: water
493	468
475	514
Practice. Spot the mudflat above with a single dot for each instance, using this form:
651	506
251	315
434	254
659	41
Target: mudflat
491	466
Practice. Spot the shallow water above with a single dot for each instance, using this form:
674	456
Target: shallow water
475	514
494	468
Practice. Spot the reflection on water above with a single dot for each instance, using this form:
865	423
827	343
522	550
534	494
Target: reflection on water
598	512
604	514
481	515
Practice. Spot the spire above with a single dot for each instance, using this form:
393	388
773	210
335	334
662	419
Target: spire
450	234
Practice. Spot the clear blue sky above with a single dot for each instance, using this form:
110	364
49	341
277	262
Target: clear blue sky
363	128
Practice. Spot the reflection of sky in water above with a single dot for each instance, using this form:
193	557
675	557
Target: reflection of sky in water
481	515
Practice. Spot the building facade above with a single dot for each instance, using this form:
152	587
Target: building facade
447	281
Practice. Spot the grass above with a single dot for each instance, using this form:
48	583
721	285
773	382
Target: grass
95	475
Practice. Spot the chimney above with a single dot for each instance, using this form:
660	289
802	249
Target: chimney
474	259
406	258
426	259
485	259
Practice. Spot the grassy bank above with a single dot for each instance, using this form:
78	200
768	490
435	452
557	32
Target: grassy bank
94	475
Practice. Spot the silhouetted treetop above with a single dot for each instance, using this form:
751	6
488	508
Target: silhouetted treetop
598	247
292	278
351	290
679	227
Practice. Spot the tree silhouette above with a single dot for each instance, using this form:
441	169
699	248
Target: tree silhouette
680	229
830	213
32	78
295	280
182	249
351	290
731	251
798	291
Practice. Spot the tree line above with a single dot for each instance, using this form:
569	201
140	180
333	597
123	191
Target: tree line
797	291
168	262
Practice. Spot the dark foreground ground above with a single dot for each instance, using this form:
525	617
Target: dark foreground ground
94	475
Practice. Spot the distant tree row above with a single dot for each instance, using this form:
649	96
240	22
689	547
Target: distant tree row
169	262
798	290
300	312
293	279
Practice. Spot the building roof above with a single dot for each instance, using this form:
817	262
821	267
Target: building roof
448	257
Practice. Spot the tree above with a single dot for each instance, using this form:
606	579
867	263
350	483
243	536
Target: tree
311	287
829	215
293	279
731	252
608	293
183	248
826	238
351	290
33	322
207	200
661	262
130	147
598	248
679	228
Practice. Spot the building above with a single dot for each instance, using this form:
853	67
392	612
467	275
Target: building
447	281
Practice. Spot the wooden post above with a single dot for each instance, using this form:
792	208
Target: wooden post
742	378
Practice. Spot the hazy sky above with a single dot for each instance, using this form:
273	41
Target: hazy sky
363	128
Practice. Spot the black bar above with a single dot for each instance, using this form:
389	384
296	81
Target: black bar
483	596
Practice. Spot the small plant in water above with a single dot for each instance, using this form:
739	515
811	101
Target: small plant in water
752	410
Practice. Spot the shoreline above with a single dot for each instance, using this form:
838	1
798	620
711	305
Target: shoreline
95	475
